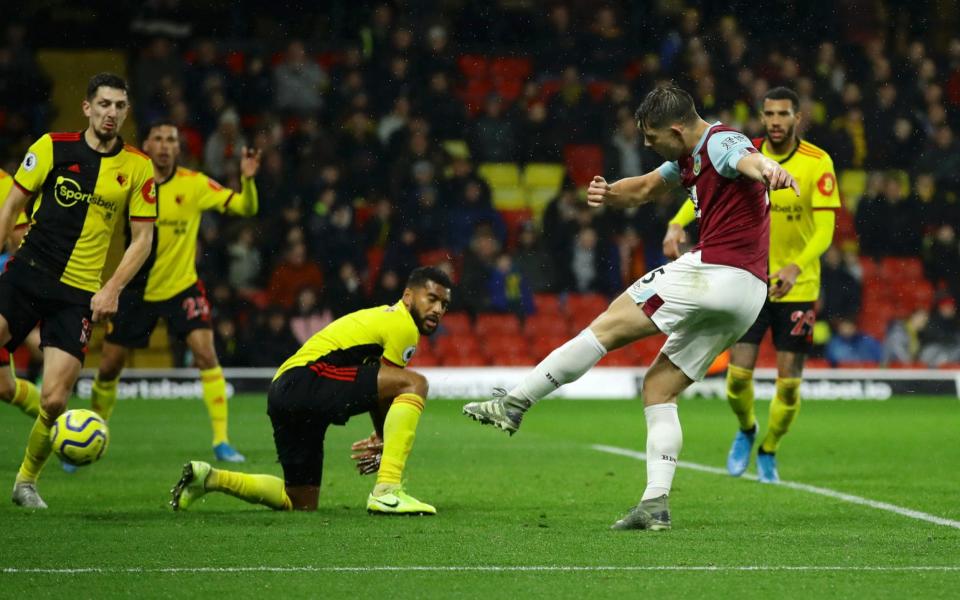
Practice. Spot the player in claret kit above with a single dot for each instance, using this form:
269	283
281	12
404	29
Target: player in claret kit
167	286
352	366
704	302
801	229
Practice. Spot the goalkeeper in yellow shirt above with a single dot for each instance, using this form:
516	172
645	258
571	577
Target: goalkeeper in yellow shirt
352	366
801	229
167	285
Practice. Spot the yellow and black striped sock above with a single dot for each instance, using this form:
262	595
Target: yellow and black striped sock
783	410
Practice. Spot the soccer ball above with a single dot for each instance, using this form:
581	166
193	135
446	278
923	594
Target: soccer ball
79	437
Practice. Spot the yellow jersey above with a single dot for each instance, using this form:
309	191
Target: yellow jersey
362	337
171	266
791	216
6	184
78	195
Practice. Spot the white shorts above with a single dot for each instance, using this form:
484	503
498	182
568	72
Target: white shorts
703	308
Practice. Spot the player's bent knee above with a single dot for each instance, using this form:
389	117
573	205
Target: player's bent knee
417	384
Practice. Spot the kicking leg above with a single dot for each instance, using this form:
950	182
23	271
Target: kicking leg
622	323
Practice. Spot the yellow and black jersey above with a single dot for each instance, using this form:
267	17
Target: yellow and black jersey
791	216
361	337
171	266
6	184
77	196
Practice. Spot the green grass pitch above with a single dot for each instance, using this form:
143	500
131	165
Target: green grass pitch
519	517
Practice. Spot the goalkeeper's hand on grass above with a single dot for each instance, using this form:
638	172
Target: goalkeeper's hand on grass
367	453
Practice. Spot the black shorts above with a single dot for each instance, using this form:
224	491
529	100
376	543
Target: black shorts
792	325
136	318
304	401
29	296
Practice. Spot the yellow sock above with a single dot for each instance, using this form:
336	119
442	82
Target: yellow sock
38	448
27	398
399	431
740	395
103	396
783	410
215	397
256	489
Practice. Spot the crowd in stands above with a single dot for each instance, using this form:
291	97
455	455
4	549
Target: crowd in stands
376	132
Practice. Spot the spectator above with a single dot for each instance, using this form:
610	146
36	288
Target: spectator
299	82
902	343
850	345
309	316
941	157
388	290
478	266
274	340
539	140
594	264
508	288
224	145
840	294
941	338
245	261
941	259
230	348
494	137
292	274
534	262
344	294
469	212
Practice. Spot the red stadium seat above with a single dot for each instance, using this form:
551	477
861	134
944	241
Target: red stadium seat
459	345
547	303
496	346
541	347
857	364
816	363
425	360
514	221
546	324
590	304
456	323
464	360
583	162
473	66
511	67
489	325
902	269
514	360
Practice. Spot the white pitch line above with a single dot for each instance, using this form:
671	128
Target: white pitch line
803	487
482	569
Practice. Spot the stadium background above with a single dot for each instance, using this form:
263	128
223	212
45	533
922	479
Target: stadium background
462	134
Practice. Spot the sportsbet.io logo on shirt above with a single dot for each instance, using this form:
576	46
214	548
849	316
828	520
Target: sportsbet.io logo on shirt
68	192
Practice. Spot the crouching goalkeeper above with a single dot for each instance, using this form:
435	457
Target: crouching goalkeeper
352	366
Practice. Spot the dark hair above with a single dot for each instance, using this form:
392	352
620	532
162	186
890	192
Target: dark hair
158	123
104	80
784	93
421	275
664	106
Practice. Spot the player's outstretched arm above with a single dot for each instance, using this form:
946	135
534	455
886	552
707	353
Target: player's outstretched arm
627	192
104	303
769	172
12	207
249	200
